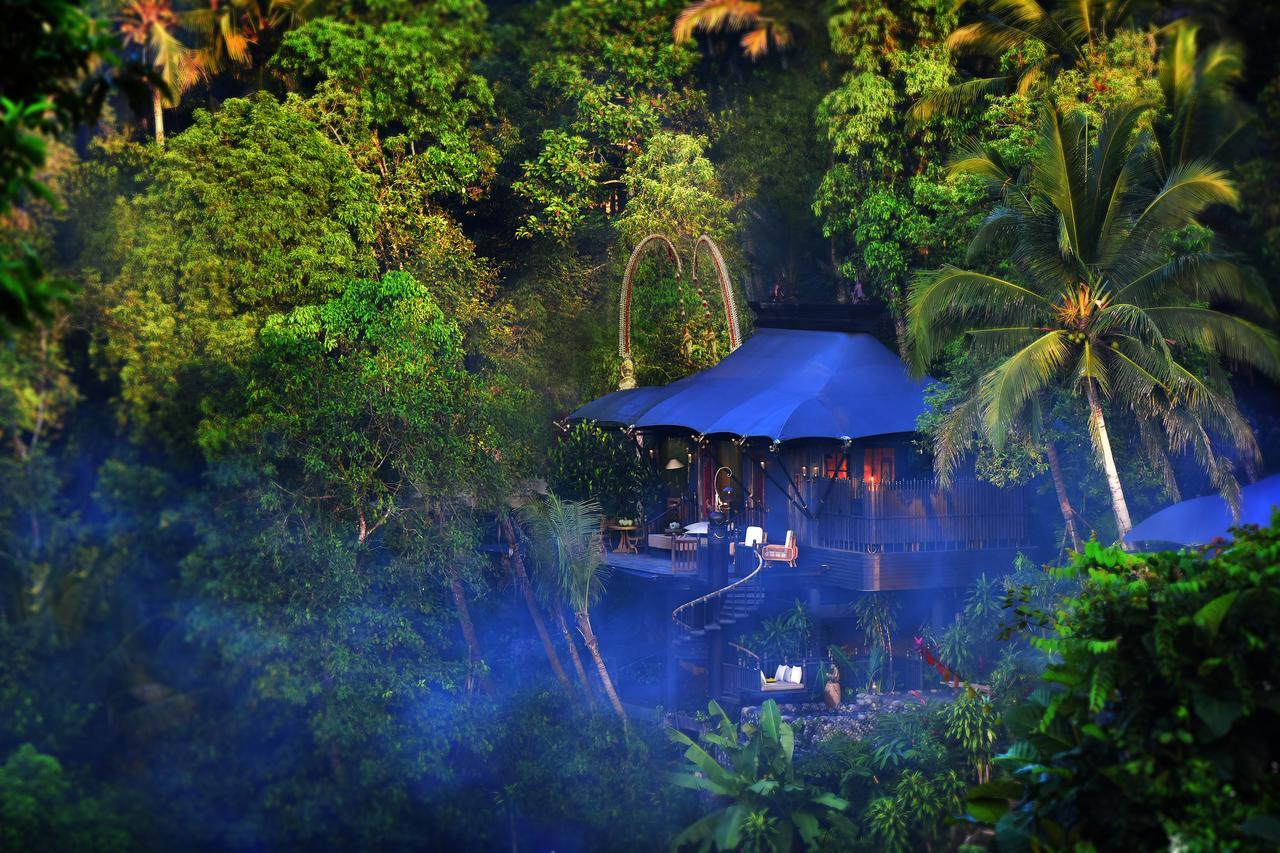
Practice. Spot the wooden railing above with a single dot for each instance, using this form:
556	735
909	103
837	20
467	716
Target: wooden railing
909	515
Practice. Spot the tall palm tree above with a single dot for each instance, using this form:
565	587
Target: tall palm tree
1046	39
152	26
711	16
531	603
571	530
1095	301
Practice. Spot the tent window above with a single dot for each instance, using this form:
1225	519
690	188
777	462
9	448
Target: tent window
878	464
836	465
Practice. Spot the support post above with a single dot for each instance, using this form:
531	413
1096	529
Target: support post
671	683
718	574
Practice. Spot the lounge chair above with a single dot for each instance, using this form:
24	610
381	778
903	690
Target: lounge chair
786	553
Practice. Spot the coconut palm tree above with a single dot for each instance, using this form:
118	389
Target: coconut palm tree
571	530
152	26
1044	39
1095	301
711	16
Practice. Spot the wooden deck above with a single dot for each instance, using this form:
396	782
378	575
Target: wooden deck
643	565
852	570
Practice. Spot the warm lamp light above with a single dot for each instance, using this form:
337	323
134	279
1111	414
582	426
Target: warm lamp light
673	465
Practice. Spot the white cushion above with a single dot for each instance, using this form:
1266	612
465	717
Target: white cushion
795	674
764	682
755	535
780	674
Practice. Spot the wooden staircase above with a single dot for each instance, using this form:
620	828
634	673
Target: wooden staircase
718	609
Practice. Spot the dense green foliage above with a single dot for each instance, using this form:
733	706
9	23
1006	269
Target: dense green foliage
770	807
293	296
1158	707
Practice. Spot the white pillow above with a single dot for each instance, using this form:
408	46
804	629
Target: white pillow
763	680
795	675
780	674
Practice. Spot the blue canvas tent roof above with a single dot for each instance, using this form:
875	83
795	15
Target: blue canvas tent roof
1201	520
781	384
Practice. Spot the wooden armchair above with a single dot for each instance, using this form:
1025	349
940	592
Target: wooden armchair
786	553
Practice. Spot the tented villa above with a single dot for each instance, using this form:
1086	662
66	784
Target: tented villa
802	437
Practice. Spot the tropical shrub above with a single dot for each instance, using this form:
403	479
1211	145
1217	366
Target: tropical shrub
1155	725
766	804
785	637
591	463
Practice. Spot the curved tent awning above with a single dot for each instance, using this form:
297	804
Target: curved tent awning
781	384
1201	520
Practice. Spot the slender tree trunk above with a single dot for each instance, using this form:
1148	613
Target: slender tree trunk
1064	502
899	312
535	612
475	669
157	113
1118	505
574	656
593	646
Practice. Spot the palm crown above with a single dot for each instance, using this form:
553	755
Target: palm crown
1095	299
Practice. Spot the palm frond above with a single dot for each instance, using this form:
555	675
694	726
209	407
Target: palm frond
984	162
955	99
1189	189
1154	449
954	437
1057	168
1124	320
1000	224
1008	387
711	16
1232	337
948	302
1210	276
986	38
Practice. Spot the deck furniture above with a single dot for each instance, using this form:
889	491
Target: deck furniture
684	555
627	538
785	678
785	553
660	541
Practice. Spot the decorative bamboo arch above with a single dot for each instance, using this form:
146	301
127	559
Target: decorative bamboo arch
628	377
726	289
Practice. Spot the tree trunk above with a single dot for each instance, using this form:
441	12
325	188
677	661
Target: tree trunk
535	613
899	312
475	669
157	113
573	654
1064	503
1118	505
593	646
